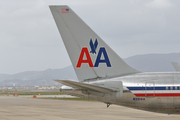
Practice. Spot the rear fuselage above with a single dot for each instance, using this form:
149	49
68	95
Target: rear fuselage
158	92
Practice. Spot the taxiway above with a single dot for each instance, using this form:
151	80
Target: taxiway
17	108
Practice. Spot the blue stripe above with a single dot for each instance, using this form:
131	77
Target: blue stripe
152	88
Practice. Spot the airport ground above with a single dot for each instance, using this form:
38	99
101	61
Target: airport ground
18	108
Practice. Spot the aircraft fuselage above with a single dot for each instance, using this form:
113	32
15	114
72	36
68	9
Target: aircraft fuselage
158	92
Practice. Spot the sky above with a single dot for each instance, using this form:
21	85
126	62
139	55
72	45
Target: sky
30	41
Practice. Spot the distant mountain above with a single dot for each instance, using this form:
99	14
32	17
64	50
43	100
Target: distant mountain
153	62
38	77
145	63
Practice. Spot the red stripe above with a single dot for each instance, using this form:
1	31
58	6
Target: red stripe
157	95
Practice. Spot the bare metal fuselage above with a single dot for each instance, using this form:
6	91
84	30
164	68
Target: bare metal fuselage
158	92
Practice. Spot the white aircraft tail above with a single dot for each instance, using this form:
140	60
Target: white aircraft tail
91	57
176	66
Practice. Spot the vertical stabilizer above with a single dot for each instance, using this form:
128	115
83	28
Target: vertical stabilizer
91	57
176	66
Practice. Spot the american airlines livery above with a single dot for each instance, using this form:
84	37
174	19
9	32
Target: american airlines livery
105	77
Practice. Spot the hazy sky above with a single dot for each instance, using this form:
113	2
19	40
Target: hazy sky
29	39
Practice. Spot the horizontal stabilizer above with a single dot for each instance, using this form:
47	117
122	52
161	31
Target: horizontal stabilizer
85	86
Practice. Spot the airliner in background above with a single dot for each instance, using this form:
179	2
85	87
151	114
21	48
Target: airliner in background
105	77
176	66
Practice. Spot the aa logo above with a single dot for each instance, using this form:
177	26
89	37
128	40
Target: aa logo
88	60
93	46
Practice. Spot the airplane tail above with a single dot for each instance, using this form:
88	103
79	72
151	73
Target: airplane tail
176	66
91	57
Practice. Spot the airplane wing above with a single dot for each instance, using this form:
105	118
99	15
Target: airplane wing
85	86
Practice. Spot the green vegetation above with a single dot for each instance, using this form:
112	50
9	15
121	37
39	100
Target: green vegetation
78	99
32	93
44	93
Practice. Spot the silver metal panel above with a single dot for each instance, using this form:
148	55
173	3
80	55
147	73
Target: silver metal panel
170	105
149	85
